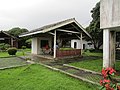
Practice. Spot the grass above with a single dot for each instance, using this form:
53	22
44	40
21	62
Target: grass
36	77
93	54
19	53
95	63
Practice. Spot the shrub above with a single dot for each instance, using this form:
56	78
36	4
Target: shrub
96	50
86	50
7	46
108	83
23	47
4	46
29	41
66	49
12	51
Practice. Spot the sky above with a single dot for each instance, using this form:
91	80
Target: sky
32	14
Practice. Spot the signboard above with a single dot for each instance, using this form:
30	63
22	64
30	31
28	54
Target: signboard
109	14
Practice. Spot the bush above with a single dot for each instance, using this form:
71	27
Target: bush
12	51
4	46
86	50
23	47
63	49
96	51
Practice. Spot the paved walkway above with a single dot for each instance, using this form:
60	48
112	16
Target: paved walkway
81	74
11	62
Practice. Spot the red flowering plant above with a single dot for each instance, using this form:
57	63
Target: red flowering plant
107	83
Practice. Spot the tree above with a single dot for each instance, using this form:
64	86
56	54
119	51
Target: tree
94	27
16	32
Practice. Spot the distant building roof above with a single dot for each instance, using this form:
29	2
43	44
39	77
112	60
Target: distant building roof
4	32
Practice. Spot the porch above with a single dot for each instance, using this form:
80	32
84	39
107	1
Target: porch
51	40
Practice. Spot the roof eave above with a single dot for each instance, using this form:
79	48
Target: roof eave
83	29
47	30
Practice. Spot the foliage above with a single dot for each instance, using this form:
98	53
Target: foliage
16	32
28	43
107	82
23	47
66	49
4	46
19	53
37	77
94	28
12	51
96	50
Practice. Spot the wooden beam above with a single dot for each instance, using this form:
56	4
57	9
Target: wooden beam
81	43
75	27
78	36
51	33
68	31
55	44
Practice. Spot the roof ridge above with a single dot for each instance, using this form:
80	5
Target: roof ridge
49	25
55	23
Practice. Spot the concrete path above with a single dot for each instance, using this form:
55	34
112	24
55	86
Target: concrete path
82	74
11	62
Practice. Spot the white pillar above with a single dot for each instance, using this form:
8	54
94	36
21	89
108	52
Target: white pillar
55	44
109	39
35	45
81	42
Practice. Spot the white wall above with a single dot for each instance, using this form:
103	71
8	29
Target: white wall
109	13
36	48
79	44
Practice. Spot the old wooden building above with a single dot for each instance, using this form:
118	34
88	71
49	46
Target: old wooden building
8	39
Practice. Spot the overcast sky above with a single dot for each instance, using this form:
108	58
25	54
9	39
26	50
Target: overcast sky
32	14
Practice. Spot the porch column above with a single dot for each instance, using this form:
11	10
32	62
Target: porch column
55	44
35	45
12	42
81	41
109	41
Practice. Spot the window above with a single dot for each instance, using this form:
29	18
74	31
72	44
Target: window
44	43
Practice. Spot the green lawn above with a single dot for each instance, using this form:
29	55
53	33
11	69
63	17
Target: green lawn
93	54
37	77
19	53
93	61
95	65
